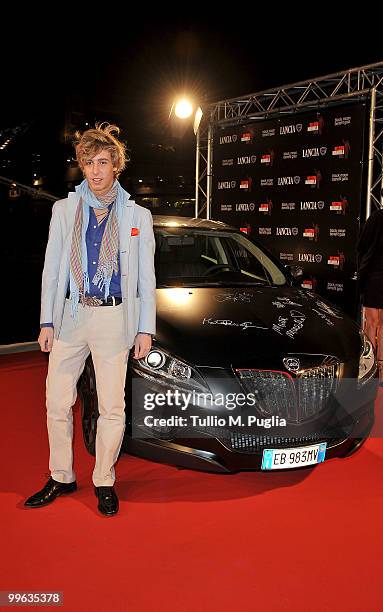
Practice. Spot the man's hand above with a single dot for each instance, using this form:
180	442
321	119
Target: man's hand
142	345
46	339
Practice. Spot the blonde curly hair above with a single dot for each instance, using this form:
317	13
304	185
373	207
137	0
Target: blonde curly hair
93	141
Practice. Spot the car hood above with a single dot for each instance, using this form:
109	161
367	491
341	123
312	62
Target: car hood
224	327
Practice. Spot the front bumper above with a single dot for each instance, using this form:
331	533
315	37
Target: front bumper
209	454
344	423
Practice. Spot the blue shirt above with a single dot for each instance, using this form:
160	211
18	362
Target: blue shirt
93	238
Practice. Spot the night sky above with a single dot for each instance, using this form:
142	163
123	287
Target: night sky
133	66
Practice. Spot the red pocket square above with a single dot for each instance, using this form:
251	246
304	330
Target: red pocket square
135	231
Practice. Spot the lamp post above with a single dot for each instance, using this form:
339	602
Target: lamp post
184	109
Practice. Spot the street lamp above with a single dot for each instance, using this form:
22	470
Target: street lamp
183	109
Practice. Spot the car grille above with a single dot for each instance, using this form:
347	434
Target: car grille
247	443
296	399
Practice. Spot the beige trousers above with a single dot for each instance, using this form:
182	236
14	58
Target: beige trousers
99	331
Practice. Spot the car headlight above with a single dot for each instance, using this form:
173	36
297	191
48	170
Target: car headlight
367	362
162	368
155	359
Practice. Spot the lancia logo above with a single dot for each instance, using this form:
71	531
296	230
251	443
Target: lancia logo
251	206
323	150
234	138
299	127
295	231
320	204
297	179
318	258
291	364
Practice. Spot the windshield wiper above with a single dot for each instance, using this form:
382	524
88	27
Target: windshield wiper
221	283
194	284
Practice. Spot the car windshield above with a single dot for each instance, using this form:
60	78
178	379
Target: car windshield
203	258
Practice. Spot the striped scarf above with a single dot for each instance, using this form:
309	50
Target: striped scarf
108	258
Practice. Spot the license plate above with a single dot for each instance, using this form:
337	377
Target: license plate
284	458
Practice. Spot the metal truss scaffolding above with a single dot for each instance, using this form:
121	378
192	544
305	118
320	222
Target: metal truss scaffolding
364	82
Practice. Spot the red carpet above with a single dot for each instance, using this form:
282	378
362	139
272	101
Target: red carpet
308	540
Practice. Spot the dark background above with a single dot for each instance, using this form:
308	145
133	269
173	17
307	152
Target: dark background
63	72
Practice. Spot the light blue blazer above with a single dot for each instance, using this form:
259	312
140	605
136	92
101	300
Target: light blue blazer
138	282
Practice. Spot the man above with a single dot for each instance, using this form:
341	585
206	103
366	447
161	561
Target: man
370	277
98	297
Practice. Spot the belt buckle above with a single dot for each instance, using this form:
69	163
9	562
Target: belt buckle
91	301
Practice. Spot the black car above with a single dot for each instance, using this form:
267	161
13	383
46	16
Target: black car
248	371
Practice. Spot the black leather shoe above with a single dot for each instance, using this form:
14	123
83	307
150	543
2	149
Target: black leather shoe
107	500
48	494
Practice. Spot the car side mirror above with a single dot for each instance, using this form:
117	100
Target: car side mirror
296	271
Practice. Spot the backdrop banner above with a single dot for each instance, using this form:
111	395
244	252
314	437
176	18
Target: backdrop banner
295	184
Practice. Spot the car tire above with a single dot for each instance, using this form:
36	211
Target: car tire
89	405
